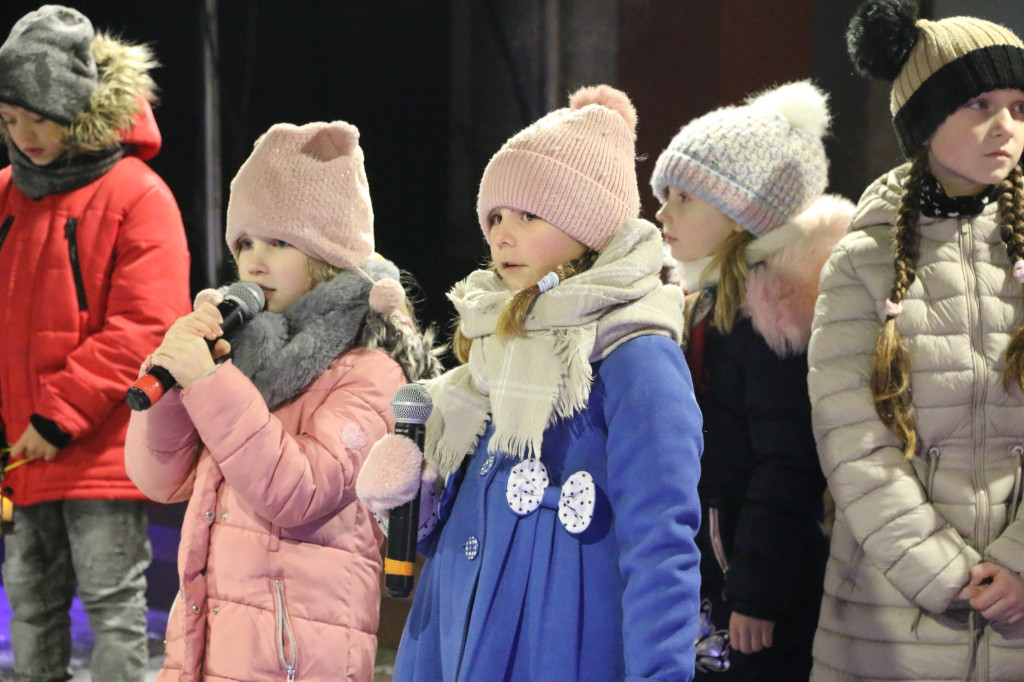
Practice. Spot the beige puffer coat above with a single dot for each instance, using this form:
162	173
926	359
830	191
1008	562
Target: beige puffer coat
907	532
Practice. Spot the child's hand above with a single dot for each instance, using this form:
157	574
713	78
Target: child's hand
184	351
391	474
31	445
996	593
749	635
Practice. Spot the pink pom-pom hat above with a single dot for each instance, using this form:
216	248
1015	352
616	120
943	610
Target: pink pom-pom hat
574	168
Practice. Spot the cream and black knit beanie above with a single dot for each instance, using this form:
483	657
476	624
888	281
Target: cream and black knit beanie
574	168
934	66
760	164
47	64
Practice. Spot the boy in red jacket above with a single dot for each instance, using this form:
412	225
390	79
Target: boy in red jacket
93	269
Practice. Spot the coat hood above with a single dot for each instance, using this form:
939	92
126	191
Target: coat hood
119	109
881	199
781	293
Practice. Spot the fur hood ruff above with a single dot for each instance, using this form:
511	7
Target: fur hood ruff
124	90
782	292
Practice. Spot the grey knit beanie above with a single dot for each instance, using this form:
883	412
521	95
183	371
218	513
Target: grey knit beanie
761	164
47	65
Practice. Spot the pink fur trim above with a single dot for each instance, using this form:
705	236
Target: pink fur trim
390	477
781	295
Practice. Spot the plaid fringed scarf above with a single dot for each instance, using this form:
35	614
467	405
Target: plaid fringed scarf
526	383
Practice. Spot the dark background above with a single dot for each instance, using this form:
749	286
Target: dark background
436	86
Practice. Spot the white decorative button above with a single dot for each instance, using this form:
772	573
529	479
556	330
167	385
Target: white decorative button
195	609
472	547
224	516
209	515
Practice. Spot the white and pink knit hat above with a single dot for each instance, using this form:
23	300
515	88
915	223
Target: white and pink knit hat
306	185
574	168
760	164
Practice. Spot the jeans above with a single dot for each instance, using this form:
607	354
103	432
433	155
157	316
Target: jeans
104	546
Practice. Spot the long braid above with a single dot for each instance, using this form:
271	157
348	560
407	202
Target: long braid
1011	227
890	380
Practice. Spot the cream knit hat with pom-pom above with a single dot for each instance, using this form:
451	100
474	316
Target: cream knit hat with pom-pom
574	168
761	164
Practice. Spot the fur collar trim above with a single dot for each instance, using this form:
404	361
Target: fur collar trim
282	353
124	84
782	290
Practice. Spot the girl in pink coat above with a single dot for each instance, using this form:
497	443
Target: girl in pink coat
279	564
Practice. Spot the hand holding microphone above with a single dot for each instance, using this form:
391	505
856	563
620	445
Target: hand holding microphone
390	480
242	301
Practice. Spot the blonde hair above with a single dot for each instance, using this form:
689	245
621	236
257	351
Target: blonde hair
890	378
729	259
512	320
319	271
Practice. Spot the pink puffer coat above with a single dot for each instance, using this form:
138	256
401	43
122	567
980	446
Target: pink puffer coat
279	563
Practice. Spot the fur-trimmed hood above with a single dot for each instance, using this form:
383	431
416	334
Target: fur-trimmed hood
782	290
119	108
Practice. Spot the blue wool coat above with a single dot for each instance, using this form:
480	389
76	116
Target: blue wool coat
504	597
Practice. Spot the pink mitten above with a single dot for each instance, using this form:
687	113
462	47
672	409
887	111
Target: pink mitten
390	477
214	296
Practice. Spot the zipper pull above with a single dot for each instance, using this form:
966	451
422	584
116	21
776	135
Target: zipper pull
290	669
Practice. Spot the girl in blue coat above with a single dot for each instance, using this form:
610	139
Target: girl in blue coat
562	458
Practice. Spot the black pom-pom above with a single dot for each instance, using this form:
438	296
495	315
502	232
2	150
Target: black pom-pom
880	37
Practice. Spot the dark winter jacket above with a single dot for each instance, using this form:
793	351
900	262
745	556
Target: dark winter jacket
761	486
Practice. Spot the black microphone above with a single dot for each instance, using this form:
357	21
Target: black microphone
411	406
241	302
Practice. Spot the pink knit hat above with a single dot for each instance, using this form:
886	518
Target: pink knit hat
306	185
574	168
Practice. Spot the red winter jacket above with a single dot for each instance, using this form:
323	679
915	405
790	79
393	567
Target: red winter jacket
89	282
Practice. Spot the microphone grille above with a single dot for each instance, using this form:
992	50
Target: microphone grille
412	404
248	295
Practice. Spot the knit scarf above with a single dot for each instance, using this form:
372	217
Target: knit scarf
62	175
526	383
282	353
937	204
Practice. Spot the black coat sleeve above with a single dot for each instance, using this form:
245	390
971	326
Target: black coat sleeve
779	545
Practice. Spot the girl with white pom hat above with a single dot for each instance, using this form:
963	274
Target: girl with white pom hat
743	211
279	564
562	457
917	367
